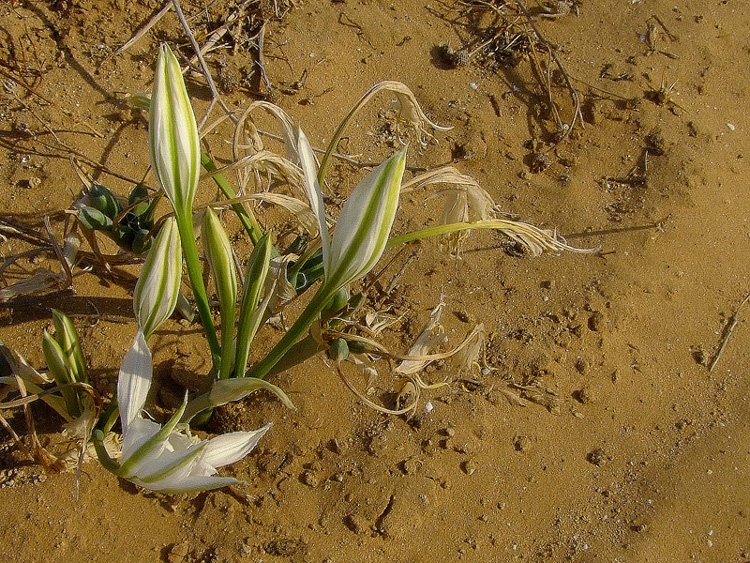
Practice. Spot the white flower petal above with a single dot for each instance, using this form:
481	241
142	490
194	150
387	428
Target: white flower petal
232	447
139	432
307	161
172	485
134	381
175	464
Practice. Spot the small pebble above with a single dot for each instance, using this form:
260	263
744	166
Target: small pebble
311	478
469	467
598	457
411	466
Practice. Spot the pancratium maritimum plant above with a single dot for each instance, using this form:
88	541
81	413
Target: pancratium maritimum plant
164	458
358	242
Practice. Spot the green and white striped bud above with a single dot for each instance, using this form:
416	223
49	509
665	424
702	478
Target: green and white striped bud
218	252
173	134
156	292
365	222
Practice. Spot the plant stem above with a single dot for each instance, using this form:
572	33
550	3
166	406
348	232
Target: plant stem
190	253
308	316
246	217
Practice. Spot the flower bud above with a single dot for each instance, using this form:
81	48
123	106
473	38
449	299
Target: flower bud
173	134
156	292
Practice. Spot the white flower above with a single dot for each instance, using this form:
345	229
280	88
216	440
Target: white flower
364	223
166	458
173	134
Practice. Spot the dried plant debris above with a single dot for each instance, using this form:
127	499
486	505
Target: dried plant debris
513	37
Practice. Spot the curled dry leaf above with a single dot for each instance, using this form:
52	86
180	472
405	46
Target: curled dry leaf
265	162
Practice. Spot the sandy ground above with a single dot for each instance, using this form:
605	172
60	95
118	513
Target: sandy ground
638	453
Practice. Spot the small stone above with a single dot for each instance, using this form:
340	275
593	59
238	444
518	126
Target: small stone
641	527
699	355
410	466
469	467
521	443
582	365
682	423
586	395
450	432
177	552
598	457
463	448
310	478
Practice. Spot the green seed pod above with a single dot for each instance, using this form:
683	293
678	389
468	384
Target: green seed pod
104	200
336	304
357	346
338	350
93	219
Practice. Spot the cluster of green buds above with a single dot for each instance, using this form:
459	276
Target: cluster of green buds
65	362
128	224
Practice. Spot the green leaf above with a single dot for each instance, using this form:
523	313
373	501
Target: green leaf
67	338
249	322
93	219
58	367
104	200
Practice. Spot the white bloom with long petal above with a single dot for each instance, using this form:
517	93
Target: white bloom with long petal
165	458
174	143
364	223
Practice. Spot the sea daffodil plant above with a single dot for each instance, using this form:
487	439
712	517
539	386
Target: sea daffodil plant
358	241
164	458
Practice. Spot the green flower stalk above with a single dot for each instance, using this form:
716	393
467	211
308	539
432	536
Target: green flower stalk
174	146
360	238
218	252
